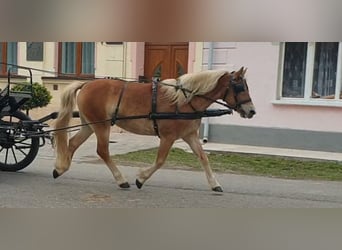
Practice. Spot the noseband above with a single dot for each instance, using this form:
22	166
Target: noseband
238	87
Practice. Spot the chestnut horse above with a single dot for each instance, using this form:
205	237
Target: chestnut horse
100	100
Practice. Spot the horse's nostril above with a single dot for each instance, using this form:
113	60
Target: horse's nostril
252	112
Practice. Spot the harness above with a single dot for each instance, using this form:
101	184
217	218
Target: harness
238	87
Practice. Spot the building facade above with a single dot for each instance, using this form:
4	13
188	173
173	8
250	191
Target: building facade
296	90
296	87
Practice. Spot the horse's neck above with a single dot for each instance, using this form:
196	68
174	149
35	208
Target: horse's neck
201	103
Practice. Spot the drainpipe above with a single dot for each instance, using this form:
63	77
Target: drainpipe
206	119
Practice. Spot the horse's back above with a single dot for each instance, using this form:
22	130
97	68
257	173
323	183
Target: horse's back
102	99
96	99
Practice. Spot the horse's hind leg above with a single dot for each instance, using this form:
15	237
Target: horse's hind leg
196	147
163	151
102	132
80	137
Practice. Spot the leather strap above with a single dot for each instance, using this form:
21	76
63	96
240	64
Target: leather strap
118	104
154	107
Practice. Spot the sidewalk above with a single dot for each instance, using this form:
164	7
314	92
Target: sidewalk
127	142
319	155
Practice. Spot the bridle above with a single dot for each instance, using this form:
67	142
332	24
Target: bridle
238	87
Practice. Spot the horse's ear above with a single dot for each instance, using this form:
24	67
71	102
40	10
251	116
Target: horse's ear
238	73
244	72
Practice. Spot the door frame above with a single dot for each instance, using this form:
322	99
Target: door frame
138	58
167	53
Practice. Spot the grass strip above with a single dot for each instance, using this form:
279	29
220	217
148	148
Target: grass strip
249	164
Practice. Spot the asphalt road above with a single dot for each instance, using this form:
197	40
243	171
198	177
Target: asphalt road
89	183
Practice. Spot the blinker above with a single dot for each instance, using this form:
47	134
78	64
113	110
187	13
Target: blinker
238	87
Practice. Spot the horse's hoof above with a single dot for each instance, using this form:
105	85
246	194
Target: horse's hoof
55	174
124	185
138	183
217	189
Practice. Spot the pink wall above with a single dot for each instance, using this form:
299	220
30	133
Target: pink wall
137	57
191	57
262	60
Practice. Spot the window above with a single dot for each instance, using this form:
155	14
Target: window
311	71
294	70
76	59
34	51
8	54
325	69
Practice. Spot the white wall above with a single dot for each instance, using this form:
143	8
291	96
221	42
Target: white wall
110	59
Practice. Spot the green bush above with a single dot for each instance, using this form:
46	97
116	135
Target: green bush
41	96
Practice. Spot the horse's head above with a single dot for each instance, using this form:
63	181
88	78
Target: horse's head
237	94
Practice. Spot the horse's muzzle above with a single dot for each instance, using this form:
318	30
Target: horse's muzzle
246	111
251	114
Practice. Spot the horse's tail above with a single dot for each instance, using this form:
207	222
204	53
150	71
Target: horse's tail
68	103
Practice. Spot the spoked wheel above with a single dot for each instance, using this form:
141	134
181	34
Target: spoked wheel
16	152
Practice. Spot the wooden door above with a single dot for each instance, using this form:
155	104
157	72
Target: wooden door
165	60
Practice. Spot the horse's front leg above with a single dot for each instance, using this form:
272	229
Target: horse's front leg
163	151
196	147
102	133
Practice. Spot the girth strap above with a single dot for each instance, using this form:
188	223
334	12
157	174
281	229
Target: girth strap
115	115
154	107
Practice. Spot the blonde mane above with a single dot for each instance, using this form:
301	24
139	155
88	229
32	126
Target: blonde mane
194	84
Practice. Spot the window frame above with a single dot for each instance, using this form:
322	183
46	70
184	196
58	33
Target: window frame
4	67
308	100
78	67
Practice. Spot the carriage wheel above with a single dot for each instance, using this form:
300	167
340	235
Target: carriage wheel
15	153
